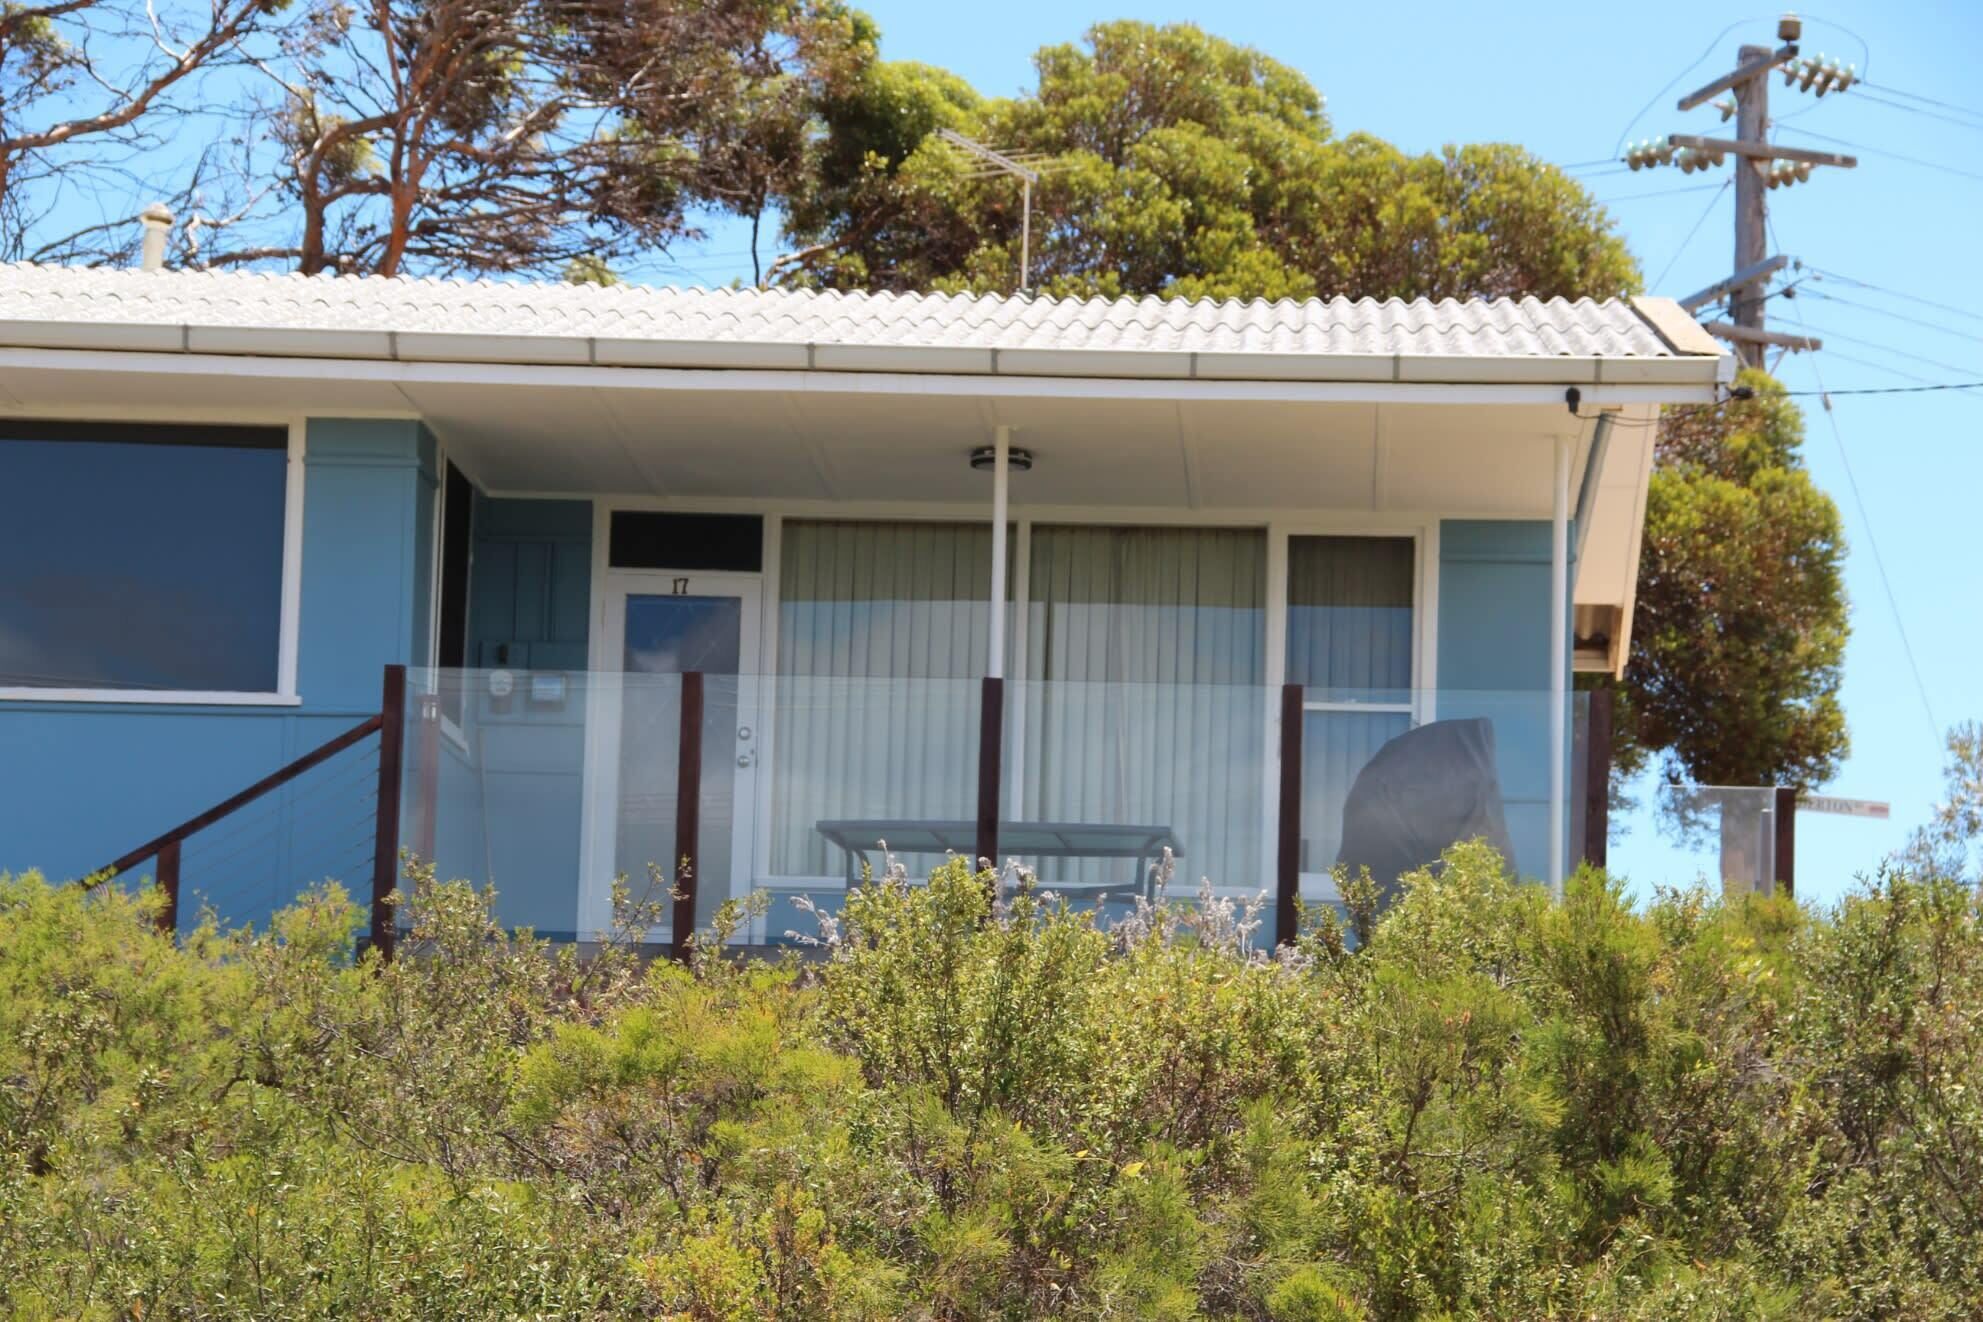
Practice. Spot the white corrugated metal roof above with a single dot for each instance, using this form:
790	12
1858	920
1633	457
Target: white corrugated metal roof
1644	340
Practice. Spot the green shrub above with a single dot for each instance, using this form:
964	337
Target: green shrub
981	1105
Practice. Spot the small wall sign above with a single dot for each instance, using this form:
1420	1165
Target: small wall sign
1831	803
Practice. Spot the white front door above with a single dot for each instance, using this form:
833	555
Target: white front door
657	626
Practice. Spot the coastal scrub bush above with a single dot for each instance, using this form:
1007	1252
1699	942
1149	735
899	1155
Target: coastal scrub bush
972	1100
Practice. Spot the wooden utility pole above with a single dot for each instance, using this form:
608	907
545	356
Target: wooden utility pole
1752	121
1759	165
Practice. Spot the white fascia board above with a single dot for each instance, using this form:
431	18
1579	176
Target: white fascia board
550	351
1137	363
1654	371
955	359
281	341
1701	390
1297	366
698	354
447	347
94	335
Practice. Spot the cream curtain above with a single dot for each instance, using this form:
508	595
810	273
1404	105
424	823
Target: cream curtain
1142	703
882	636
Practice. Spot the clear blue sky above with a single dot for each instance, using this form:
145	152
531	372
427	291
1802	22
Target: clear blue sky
1566	80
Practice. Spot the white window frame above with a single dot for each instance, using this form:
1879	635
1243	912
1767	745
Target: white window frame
288	628
450	729
1319	887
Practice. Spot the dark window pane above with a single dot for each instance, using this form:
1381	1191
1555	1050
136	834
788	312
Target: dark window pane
135	562
1350	615
642	539
457	504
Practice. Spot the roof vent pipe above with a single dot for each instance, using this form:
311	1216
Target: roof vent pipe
157	220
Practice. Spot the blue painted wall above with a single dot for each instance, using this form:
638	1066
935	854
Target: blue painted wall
84	782
1494	660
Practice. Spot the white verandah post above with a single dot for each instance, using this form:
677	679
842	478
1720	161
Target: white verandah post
1559	659
1001	453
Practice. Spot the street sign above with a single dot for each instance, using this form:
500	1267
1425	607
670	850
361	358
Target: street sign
1844	807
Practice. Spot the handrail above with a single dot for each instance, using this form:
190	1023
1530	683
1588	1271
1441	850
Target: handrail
275	780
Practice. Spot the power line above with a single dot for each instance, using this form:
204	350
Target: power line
1881	151
1887	348
1823	274
1657	192
1865	47
1723	303
1842	356
1885	390
1865	521
1900	317
1692	232
1891	104
1926	100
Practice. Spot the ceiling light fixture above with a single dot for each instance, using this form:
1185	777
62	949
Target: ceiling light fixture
985	458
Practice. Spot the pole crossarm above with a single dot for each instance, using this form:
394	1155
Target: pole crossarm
1747	335
1742	279
1761	151
1753	69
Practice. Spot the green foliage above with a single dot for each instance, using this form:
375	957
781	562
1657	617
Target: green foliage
1948	844
979	1105
1740	627
1178	164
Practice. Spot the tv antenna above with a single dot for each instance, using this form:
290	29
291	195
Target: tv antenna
1026	167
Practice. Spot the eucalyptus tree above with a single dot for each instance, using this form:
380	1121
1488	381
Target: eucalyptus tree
90	91
1177	163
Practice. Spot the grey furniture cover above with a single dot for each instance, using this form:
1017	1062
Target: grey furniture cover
1429	789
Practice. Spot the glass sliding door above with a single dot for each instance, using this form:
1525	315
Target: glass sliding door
1141	712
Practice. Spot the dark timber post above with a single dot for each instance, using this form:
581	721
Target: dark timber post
168	885
688	810
1597	778
1786	839
1287	862
385	841
991	758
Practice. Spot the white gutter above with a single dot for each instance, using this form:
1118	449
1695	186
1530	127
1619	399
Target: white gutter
1514	387
347	345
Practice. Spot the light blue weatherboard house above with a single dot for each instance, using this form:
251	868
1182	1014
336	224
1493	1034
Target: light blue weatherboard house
230	501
